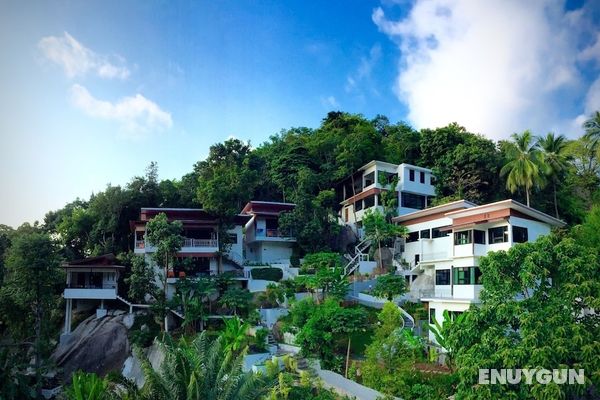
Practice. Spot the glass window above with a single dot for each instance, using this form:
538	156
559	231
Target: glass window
410	200
369	179
436	233
479	236
442	277
467	276
463	237
358	205
431	315
422	177
520	234
233	238
425	234
454	314
369	201
462	276
412	237
498	235
411	175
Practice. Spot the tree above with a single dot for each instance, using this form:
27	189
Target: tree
142	280
32	285
191	295
523	164
323	324
554	160
537	315
235	335
592	127
378	230
442	331
166	237
236	299
201	370
389	286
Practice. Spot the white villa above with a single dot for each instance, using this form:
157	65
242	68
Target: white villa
264	241
442	251
90	281
360	192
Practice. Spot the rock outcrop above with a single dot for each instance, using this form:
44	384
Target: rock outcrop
97	345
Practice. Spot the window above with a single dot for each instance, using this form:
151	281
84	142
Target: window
463	237
412	237
431	315
358	205
410	200
369	201
519	234
498	235
462	276
454	314
478	236
442	277
422	178
387	177
467	276
411	175
370	179
426	234
233	238
437	233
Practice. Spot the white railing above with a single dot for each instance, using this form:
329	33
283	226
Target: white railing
200	243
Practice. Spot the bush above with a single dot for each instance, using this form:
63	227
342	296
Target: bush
318	261
268	274
260	339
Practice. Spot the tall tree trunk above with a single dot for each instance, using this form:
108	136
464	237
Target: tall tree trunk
348	355
555	202
38	350
527	193
380	259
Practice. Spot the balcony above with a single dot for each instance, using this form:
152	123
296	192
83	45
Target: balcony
107	292
273	235
189	245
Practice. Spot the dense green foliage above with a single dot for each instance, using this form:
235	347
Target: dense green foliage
534	316
389	286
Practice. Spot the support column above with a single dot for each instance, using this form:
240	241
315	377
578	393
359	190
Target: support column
68	312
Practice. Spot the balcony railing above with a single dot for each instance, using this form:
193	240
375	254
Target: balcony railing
91	286
275	233
200	243
441	255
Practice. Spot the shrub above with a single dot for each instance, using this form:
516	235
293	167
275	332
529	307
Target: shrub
260	339
268	274
318	261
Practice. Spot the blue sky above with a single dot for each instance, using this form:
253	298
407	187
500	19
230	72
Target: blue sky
94	91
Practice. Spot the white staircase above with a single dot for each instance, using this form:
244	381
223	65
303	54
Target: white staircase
359	255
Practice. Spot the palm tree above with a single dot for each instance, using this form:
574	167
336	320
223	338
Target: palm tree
200	369
523	167
234	337
592	127
555	159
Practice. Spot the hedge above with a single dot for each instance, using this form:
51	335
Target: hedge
268	274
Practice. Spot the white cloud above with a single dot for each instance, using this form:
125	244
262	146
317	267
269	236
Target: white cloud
136	114
78	60
330	102
496	67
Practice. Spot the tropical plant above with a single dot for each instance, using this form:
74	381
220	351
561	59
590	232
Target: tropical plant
378	230
87	386
592	126
523	164
235	335
200	370
451	323
14	382
236	299
537	315
389	286
191	295
555	160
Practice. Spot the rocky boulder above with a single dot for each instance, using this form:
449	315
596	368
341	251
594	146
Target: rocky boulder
97	345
